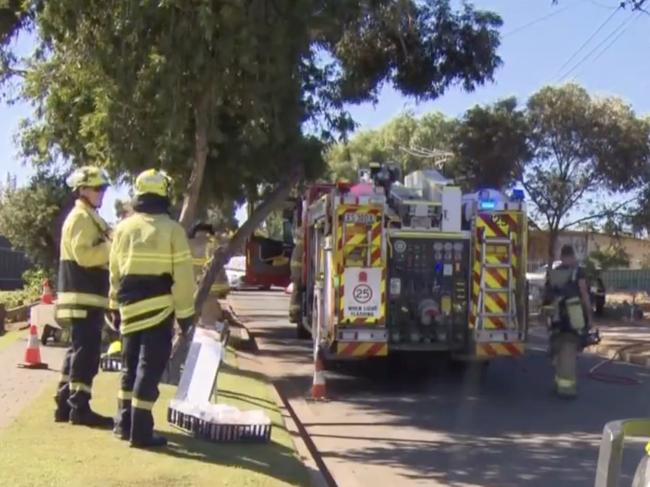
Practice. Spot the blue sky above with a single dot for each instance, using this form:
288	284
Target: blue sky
538	40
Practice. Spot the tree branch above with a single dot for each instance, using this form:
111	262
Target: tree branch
6	72
222	254
603	213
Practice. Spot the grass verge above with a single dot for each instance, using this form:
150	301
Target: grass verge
36	451
10	337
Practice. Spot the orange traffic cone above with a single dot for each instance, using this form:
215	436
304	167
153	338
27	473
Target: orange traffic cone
47	297
33	352
318	389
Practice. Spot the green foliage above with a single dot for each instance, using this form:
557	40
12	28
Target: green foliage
222	217
490	145
32	289
30	217
274	227
226	88
581	144
13	299
392	143
563	146
613	257
487	146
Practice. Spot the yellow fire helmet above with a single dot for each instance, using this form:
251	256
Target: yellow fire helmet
115	348
88	177
153	181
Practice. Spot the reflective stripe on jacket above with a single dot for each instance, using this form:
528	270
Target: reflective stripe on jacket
202	249
83	266
150	271
296	261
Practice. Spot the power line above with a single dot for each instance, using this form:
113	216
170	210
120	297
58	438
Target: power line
589	39
598	46
602	5
620	34
538	20
638	5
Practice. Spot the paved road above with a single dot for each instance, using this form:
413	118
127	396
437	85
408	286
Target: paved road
18	387
387	427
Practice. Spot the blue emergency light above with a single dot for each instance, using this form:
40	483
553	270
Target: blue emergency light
488	204
517	195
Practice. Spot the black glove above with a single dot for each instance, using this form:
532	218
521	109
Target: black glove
113	319
185	324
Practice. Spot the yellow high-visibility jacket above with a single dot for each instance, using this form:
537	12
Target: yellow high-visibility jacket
150	271
296	261
83	265
202	249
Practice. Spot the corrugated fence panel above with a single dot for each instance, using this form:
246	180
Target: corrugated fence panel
627	280
12	266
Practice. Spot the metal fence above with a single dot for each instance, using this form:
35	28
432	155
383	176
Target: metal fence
627	280
12	265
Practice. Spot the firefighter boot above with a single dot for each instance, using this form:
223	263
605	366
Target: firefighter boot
88	417
154	441
62	411
122	428
142	435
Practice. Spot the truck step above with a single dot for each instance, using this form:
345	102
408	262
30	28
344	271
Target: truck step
496	241
496	290
494	315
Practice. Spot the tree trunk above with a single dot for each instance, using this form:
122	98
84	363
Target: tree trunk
193	191
553	235
223	253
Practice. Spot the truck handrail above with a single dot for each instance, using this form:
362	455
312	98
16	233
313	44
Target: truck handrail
610	454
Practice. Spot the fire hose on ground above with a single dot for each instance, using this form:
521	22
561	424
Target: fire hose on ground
596	373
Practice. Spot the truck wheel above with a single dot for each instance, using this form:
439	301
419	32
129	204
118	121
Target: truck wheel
468	368
48	331
301	332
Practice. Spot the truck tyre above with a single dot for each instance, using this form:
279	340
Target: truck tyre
301	332
469	369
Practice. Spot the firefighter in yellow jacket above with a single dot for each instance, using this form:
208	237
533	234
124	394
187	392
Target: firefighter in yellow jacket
296	277
202	245
83	296
567	297
151	284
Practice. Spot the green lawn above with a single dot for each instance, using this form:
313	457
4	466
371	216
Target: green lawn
34	451
10	337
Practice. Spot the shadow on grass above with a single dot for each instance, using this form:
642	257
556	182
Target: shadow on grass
270	459
247	398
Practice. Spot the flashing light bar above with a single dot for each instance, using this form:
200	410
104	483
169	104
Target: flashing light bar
487	204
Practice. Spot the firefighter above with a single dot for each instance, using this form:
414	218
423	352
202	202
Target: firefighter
296	277
151	284
202	244
82	296
567	297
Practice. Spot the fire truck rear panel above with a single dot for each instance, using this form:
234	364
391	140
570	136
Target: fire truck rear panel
428	290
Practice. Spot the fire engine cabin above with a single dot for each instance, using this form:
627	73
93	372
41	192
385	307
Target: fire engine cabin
412	267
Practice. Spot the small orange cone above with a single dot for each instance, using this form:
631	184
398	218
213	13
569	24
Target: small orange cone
318	388
47	297
33	352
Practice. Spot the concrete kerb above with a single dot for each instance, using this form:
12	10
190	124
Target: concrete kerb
298	434
634	352
618	353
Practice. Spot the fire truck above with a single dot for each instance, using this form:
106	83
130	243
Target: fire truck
411	264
